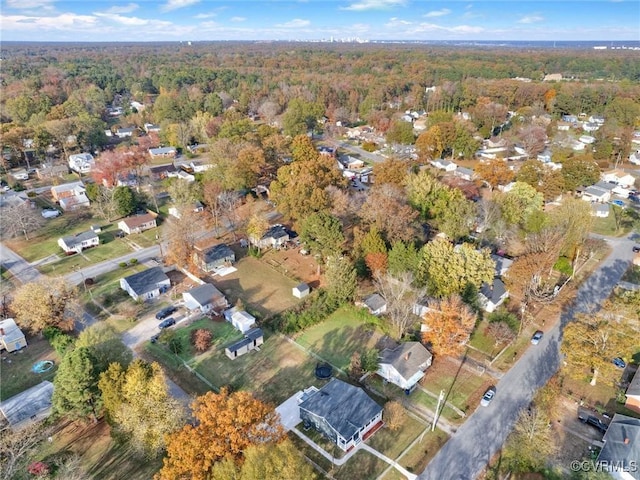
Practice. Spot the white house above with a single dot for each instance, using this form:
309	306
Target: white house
79	242
635	157
163	152
11	337
147	284
619	177
301	290
600	210
587	139
405	364
445	165
375	303
492	296
595	194
125	132
240	319
150	127
590	127
137	223
81	162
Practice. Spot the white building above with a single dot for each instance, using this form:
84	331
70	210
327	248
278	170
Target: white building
81	162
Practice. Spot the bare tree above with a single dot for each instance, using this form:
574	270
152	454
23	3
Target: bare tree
501	332
15	447
400	295
182	234
230	203
20	220
105	204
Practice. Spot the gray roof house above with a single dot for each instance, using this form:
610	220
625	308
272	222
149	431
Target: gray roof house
464	173
251	341
343	413
276	236
205	298
621	451
404	365
30	406
214	257
502	264
492	296
375	303
147	284
77	243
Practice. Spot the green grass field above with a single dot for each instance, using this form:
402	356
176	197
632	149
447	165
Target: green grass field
346	331
392	443
607	226
417	458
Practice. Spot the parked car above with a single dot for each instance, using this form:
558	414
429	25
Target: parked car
537	337
618	203
154	339
636	248
488	396
618	362
167	323
591	418
50	213
165	312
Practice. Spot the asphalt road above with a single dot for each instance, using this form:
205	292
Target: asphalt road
372	157
17	266
467	453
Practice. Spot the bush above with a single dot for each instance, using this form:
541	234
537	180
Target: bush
59	341
369	146
369	360
311	312
506	317
133	261
32	194
123	264
254	252
563	265
201	339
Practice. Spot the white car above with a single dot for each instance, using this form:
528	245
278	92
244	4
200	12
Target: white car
50	213
488	396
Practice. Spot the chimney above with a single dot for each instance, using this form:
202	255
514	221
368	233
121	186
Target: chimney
407	355
1	331
626	440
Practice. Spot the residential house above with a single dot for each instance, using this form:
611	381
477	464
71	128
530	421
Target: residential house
137	106
212	258
81	162
619	177
464	173
79	242
241	320
11	337
600	210
160	172
590	127
405	364
492	295
595	194
147	284
563	127
49	171
375	303
182	175
170	152
445	165
301	290
633	393
70	196
151	127
587	139
343	413
275	237
196	207
205	298
125	132
251	341
328	151
569	118
15	199
620	454
353	163
198	147
544	157
19	173
137	223
502	264
552	77
597	119
196	166
30	406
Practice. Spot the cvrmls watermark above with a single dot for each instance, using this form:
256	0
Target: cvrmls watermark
626	466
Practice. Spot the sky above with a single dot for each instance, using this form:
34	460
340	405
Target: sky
197	20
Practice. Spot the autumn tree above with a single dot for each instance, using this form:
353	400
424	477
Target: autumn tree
573	218
387	209
501	333
201	339
282	460
495	172
355	366
394	415
447	326
531	443
341	278
140	407
391	170
322	233
46	302
401	132
519	202
182	234
184	193
20	220
211	193
76	392
533	139
580	170
257	226
446	270
401	295
590	341
17	446
226	424
105	345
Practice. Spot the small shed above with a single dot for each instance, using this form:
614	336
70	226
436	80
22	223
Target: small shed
251	341
11	337
32	405
240	319
301	291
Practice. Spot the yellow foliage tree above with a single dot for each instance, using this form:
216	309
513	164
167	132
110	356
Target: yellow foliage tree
448	325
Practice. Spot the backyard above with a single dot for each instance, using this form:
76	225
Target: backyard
347	330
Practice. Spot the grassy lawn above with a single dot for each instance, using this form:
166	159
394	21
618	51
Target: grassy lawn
6	285
145	239
100	456
393	474
482	341
362	466
392	443
418	397
309	452
417	458
261	288
607	226
346	331
16	367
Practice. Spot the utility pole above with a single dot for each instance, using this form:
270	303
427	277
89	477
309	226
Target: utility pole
435	417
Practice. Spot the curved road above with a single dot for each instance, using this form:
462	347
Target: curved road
467	453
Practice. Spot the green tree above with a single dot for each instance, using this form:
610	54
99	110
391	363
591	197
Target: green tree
125	201
140	406
372	242
341	279
76	392
322	233
105	346
531	443
401	132
301	116
403	257
579	171
213	104
519	202
446	270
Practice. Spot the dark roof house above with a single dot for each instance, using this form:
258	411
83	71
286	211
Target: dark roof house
214	257
205	297
621	451
32	405
633	393
492	295
375	303
147	284
251	341
405	364
342	412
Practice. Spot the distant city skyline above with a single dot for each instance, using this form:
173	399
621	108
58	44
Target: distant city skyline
314	20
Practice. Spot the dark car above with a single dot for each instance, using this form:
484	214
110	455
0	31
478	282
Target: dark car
165	312
620	363
488	396
592	418
636	248
537	337
167	323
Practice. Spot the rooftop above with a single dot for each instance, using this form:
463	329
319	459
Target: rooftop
275	231
217	252
147	280
79	238
27	404
137	220
205	294
407	358
622	444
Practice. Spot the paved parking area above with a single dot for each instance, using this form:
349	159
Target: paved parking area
289	411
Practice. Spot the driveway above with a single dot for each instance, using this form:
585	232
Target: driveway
467	453
289	411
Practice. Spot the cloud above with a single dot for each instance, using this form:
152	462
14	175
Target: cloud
133	21
395	22
205	15
123	8
30	4
432	27
437	13
64	21
176	4
531	19
374	5
238	19
295	23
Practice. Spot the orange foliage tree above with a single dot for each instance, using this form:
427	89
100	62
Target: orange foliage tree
225	425
449	323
